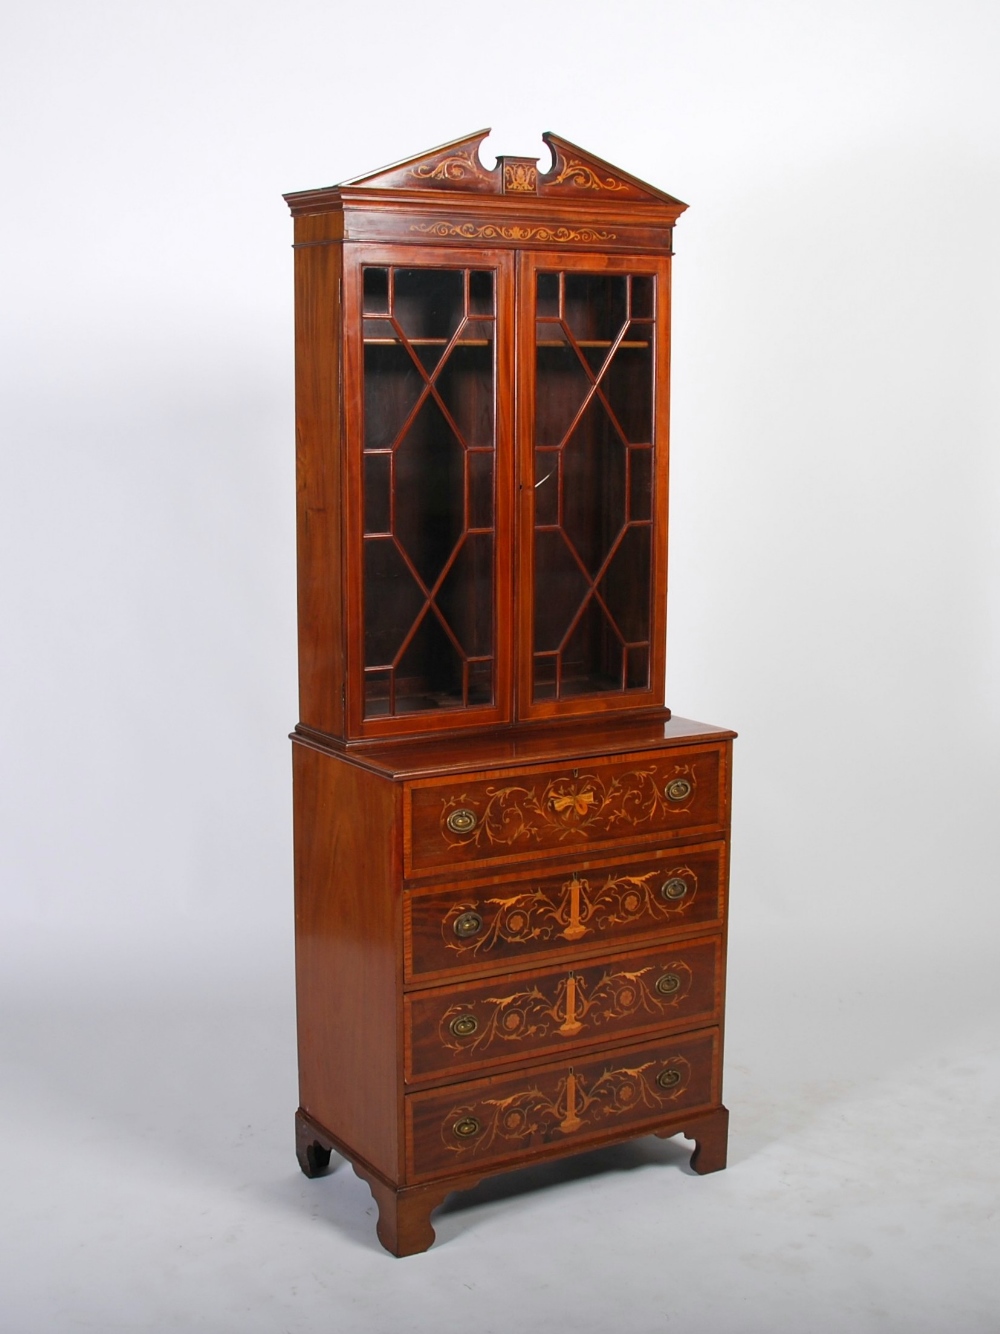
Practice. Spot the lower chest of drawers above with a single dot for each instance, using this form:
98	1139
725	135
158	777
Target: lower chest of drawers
497	968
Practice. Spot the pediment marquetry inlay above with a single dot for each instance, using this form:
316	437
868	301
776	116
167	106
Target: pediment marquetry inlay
458	167
461	167
520	175
574	172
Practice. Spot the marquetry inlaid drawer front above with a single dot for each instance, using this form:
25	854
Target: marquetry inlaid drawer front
517	1015
455	1129
519	812
485	926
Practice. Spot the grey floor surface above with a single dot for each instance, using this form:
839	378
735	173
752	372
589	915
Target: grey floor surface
149	1181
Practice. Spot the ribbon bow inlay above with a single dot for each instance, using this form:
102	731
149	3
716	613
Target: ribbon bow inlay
579	801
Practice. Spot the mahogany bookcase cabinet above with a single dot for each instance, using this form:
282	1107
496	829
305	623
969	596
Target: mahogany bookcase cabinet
511	861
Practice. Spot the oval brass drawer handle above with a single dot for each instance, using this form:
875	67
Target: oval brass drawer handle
464	1025
466	1127
674	888
669	1078
467	924
462	820
678	789
668	984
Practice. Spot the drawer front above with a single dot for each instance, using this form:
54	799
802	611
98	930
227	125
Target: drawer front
451	930
486	1121
515	813
517	1015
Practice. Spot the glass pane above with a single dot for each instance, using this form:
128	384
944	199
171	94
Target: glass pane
628	384
429	478
593	486
481	682
377	510
642	297
465	383
464	599
376	291
637	670
481	293
625	586
560	588
640	484
548	295
430	491
595	305
481	489
546	487
430	674
393	386
545	676
561	385
428	303
390	586
592	660
593	480
378	685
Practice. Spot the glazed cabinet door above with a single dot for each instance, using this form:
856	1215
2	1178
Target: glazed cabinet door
593	364
428	387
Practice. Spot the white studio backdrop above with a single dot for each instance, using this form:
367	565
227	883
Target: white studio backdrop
835	455
835	416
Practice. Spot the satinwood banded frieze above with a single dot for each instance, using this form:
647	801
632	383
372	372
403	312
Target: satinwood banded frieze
448	930
518	1015
486	225
516	231
531	1111
524	812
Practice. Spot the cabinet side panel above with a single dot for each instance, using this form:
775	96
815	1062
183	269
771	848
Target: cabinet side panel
347	953
727	772
319	481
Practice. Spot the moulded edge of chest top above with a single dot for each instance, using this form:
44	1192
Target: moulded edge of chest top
423	757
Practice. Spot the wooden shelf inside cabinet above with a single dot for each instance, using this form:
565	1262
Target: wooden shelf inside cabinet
488	785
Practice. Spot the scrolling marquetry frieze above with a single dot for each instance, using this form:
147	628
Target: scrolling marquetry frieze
497	231
580	909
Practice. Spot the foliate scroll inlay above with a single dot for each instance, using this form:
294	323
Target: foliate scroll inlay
563	1007
579	908
457	167
577	1102
495	231
582	806
574	172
